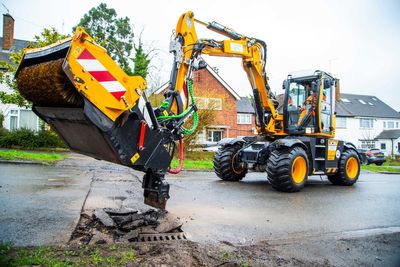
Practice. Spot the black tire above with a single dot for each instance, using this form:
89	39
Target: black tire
379	163
346	176
281	171
225	164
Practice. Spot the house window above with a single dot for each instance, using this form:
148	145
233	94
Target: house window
367	144
28	120
214	135
366	123
390	124
397	125
384	124
214	103
209	103
383	146
243	118
13	120
201	102
341	122
23	119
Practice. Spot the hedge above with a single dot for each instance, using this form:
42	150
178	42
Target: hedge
27	139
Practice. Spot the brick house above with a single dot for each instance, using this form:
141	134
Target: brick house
14	117
234	114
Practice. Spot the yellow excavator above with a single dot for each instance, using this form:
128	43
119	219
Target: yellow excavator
100	111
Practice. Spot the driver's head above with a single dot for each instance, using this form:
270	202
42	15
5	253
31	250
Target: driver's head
307	85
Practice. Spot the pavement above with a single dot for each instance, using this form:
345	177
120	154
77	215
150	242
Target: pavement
42	204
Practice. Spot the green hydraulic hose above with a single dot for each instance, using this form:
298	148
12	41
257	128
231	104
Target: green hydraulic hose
195	115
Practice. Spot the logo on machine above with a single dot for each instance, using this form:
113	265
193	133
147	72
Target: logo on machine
101	74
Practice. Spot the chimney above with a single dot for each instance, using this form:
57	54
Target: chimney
8	31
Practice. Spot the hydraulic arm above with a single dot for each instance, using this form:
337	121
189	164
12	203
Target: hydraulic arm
188	48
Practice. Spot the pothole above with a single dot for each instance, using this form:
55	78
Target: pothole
104	226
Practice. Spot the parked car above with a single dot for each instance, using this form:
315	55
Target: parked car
373	155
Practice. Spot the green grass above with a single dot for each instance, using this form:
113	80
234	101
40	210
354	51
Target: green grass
67	256
208	165
392	162
375	168
194	164
31	156
195	160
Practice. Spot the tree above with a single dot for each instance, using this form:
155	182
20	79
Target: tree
141	61
206	118
12	96
113	33
116	35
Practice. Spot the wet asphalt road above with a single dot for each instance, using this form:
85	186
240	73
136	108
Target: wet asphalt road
41	204
251	211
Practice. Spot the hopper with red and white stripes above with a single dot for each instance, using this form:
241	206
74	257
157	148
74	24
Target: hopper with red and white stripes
101	74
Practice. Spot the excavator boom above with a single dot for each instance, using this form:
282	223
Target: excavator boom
188	48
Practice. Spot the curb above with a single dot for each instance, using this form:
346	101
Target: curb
190	170
22	162
384	172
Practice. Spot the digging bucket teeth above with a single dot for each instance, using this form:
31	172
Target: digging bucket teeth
93	105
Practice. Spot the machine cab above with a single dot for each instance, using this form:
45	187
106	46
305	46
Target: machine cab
308	106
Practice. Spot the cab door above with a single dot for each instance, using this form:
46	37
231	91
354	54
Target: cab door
326	105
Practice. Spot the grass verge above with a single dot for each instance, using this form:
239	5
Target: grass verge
65	256
194	164
392	162
208	165
195	160
375	168
46	158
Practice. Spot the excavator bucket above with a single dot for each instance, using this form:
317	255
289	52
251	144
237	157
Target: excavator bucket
93	105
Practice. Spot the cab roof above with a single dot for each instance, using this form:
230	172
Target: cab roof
308	74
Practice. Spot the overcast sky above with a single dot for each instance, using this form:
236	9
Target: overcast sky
358	40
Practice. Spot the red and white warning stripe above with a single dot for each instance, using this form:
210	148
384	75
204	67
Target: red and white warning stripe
101	74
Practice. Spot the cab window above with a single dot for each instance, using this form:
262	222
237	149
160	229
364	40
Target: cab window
326	108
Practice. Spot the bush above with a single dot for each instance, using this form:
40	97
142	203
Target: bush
27	139
1	119
49	139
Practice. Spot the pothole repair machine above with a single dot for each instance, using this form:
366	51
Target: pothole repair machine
100	111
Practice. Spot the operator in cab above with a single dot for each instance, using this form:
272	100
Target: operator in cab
308	108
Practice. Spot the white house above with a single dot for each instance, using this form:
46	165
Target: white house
14	117
389	141
361	118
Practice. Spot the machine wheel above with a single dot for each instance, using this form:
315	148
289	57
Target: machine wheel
225	164
349	169
379	163
288	169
